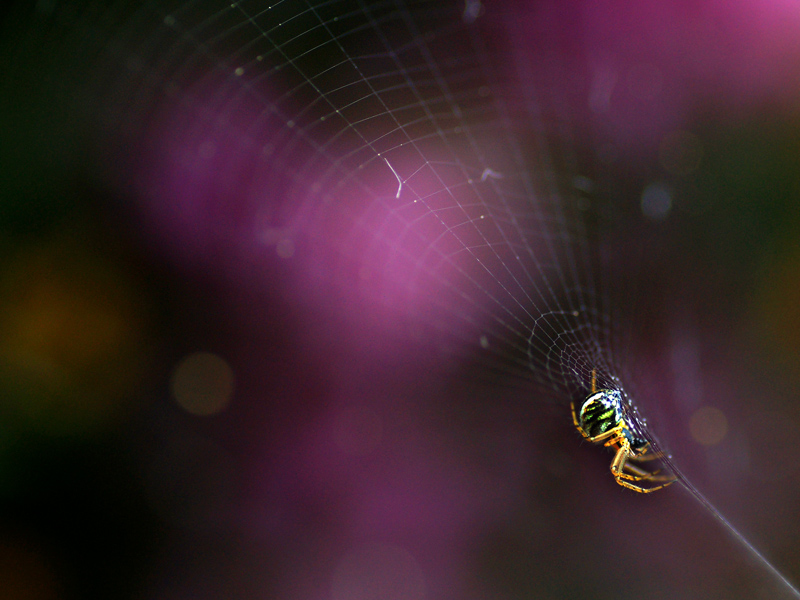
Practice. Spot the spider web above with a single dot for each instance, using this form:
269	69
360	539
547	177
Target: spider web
398	152
410	161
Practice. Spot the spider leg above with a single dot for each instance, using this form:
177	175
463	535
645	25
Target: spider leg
643	475
640	489
638	471
669	478
647	455
575	417
624	479
620	464
576	423
612	435
620	458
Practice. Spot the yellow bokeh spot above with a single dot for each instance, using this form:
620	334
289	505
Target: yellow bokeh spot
202	383
708	426
775	315
72	326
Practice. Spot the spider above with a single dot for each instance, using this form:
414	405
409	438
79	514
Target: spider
602	421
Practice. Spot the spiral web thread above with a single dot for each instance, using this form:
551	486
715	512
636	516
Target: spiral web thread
380	136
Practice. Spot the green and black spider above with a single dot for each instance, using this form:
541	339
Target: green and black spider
602	420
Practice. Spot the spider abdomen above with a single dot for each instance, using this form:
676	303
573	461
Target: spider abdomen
601	412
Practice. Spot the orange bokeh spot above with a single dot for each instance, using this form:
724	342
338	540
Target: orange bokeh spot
708	426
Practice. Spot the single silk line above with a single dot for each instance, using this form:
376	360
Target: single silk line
399	181
727	524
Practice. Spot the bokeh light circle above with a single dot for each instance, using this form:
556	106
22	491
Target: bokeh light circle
378	571
202	383
708	426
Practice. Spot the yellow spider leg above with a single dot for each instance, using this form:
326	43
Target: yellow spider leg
639	474
643	475
644	490
669	478
615	434
574	416
654	475
594	380
647	455
640	489
619	463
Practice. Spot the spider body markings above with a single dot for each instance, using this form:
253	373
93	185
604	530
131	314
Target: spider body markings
602	420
